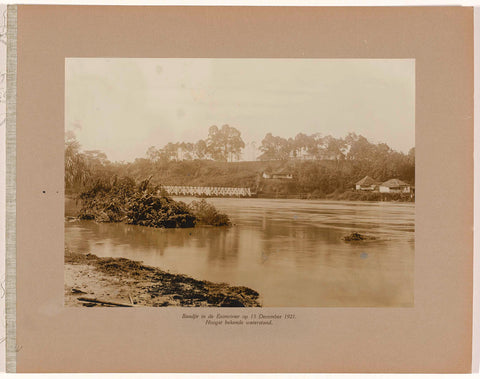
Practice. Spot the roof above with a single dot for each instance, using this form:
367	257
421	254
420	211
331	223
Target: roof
366	181
392	183
284	171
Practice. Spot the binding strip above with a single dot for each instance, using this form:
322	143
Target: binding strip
10	220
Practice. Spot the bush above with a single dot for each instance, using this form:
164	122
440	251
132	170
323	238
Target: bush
123	201
207	214
104	202
147	209
144	205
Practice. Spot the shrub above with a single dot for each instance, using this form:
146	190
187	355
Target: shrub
102	203
159	212
123	201
207	214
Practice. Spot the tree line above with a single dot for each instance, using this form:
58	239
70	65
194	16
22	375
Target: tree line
225	144
318	147
222	144
322	164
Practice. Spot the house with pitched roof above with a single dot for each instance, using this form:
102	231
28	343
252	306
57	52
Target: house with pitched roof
281	174
395	186
366	184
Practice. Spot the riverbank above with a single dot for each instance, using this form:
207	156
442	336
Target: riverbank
124	281
320	176
347	196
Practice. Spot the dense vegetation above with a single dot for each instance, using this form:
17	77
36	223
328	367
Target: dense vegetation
322	167
145	205
225	144
222	144
207	214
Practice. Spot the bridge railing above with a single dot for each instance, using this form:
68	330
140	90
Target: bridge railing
208	191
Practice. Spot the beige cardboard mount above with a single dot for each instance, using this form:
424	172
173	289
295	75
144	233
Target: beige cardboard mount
433	336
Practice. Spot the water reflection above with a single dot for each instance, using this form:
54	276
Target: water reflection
291	251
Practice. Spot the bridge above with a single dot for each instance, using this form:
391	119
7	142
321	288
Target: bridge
207	191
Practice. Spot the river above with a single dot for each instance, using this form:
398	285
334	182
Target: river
290	251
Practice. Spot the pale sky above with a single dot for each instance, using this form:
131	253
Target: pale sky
124	105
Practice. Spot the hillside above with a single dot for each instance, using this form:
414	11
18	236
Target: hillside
315	179
310	167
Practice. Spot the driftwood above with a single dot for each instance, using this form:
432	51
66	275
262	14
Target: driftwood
74	290
89	300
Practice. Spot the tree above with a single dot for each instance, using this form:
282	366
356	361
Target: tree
302	144
186	150
213	143
96	157
200	149
154	154
77	173
171	151
411	156
360	147
335	146
274	148
224	144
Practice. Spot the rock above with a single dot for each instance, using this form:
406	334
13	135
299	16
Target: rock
354	236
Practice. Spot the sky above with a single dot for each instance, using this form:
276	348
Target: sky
122	106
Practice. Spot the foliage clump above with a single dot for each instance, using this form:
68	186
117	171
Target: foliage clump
147	209
322	167
105	201
207	214
123	201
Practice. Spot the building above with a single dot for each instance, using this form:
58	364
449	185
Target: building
395	186
283	174
366	184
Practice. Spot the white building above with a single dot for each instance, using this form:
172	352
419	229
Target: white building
394	186
366	184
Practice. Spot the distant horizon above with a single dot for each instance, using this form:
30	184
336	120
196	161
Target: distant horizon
122	106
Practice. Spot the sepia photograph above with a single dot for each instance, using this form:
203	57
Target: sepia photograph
195	182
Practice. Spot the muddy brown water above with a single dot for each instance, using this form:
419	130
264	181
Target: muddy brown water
290	251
